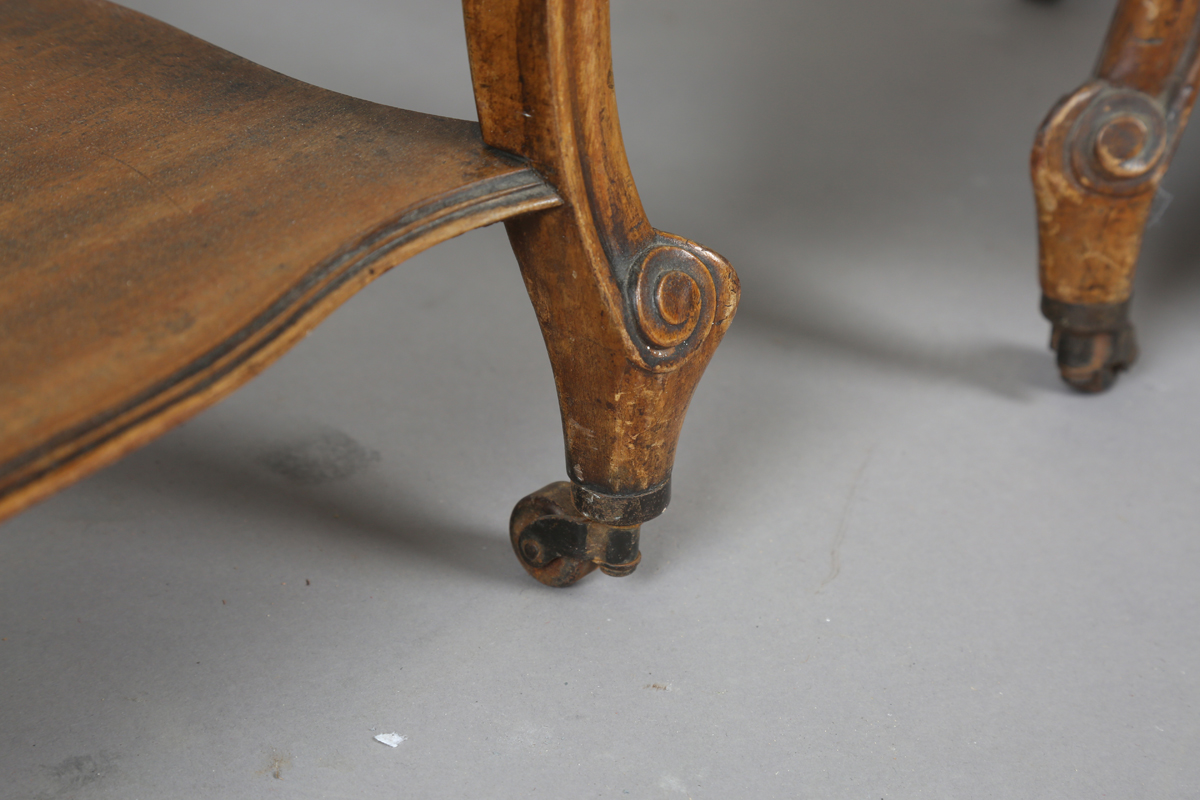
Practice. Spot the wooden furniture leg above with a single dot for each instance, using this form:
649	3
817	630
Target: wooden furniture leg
1097	162
630	315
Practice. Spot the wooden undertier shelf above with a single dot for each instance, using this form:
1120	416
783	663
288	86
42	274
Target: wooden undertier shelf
173	218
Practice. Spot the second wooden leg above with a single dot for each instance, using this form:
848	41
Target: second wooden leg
1097	163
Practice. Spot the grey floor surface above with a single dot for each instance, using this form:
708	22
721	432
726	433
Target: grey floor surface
901	562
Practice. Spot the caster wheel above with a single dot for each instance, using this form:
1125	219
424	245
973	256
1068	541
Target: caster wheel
1090	360
557	545
550	503
1093	342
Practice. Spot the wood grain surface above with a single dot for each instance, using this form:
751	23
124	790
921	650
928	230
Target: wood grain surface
1102	151
174	217
631	316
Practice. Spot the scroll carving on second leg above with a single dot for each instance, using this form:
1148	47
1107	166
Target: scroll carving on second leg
630	315
1097	163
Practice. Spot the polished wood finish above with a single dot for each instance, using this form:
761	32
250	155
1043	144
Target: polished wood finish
631	316
1097	162
173	218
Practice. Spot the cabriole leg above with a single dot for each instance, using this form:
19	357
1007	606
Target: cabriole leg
1097	162
630	315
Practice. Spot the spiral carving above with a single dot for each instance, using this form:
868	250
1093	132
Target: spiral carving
1118	142
674	299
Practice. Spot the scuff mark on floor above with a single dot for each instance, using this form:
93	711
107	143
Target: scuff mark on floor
325	456
73	774
275	764
835	550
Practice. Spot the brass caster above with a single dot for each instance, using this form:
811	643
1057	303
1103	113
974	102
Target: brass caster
557	545
1093	343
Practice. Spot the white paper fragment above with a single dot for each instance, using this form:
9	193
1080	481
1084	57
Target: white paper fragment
390	739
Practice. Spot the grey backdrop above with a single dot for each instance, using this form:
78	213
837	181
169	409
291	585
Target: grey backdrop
902	561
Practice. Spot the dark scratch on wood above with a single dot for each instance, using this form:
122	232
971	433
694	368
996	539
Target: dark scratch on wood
157	190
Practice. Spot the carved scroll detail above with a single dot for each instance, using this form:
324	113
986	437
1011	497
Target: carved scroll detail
1119	142
671	299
